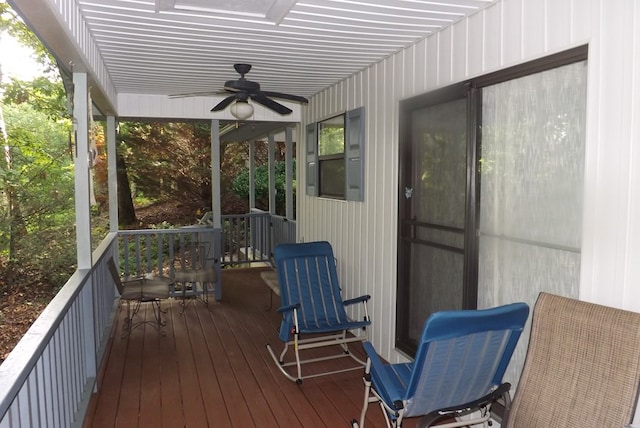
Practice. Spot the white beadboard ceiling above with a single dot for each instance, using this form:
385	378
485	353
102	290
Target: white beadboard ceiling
301	47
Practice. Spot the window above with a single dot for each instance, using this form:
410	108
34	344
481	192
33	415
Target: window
334	157
331	135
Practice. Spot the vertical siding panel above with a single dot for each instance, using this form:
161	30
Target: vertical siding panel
387	277
475	44
580	20
378	86
444	56
632	276
432	62
512	34
406	68
358	212
609	205
459	48
559	25
420	64
534	28
493	36
366	208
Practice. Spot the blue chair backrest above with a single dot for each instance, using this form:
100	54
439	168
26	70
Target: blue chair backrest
462	356
307	275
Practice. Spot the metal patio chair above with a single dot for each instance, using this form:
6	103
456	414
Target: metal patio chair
312	303
140	290
582	367
458	369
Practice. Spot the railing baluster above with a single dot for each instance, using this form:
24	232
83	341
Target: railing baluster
46	379
138	272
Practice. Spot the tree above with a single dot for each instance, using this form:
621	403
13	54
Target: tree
168	160
38	187
42	94
36	177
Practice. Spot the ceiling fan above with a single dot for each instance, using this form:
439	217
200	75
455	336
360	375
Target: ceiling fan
241	90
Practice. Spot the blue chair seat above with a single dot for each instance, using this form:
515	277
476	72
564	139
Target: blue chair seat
312	304
461	358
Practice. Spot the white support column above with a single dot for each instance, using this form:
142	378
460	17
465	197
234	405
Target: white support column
82	176
83	214
112	171
272	175
288	171
216	202
216	195
252	175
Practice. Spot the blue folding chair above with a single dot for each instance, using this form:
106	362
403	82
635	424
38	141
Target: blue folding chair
458	368
312	303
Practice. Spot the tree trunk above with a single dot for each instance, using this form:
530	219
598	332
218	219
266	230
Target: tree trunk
126	211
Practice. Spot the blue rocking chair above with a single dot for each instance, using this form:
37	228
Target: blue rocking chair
458	368
311	304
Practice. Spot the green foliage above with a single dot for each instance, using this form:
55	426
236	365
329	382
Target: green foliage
331	141
168	160
240	185
331	136
37	212
42	94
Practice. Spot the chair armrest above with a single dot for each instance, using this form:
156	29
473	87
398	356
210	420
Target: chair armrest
377	367
288	308
364	298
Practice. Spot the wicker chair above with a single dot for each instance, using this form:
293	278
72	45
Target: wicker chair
582	367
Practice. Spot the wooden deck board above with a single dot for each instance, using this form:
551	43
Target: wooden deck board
211	368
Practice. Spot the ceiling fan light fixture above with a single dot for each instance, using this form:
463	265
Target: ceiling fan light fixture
241	110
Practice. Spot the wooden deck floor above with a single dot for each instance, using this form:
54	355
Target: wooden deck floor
211	368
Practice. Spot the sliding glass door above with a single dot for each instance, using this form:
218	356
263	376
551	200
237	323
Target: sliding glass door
491	193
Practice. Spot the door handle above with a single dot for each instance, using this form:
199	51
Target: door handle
408	192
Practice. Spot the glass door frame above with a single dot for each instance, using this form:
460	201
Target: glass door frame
469	298
472	90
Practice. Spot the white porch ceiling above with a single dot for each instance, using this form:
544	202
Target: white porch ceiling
170	47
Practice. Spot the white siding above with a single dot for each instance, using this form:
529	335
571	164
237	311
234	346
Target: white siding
506	33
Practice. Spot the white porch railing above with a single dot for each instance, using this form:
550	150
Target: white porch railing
163	251
48	378
251	238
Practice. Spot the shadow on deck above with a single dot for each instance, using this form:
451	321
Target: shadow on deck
211	368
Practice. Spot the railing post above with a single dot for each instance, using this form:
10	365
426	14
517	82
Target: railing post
288	172
252	175
272	174
112	171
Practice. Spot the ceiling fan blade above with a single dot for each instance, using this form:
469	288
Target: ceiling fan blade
224	103
280	95
197	94
270	104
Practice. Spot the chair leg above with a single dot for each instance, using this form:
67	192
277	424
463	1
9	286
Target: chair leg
128	321
158	323
367	391
280	362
